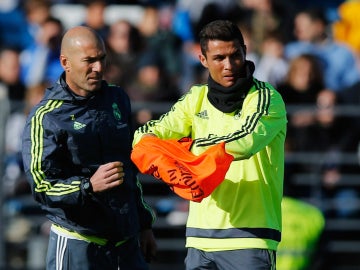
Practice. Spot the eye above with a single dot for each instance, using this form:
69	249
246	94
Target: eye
102	58
89	60
238	54
219	58
92	60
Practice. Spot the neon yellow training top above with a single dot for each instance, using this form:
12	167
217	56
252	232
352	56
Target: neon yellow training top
244	211
303	225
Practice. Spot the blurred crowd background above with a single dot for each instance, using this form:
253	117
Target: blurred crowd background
308	49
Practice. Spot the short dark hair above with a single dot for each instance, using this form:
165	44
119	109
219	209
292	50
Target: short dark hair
315	14
219	30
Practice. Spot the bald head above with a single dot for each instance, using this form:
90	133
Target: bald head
77	37
83	59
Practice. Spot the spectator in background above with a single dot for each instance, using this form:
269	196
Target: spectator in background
338	61
301	244
303	82
40	61
182	27
198	11
161	44
94	17
10	81
213	10
150	84
329	132
12	88
12	22
268	16
36	13
251	53
272	65
125	44
331	135
303	240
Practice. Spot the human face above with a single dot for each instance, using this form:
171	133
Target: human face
307	29
119	37
225	61
85	67
300	75
9	67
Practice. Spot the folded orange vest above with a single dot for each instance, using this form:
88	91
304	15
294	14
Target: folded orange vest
189	176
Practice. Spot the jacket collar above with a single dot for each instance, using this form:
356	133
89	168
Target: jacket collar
61	91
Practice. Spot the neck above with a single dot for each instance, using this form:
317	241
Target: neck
229	99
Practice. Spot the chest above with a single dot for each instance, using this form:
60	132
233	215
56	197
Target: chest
208	121
98	132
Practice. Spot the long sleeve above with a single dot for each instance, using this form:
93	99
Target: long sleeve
54	183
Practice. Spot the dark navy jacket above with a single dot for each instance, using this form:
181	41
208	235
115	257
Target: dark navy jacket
66	138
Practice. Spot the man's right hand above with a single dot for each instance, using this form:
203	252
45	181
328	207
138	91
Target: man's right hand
108	176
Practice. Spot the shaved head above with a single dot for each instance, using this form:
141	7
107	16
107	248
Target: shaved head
77	37
83	59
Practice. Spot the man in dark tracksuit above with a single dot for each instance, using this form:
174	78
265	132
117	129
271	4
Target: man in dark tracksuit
76	152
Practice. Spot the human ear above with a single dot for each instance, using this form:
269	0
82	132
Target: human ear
203	60
64	63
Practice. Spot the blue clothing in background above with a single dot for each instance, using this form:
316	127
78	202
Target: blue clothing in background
14	31
338	62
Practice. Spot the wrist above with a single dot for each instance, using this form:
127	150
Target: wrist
86	186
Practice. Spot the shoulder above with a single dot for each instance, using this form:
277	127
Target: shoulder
197	91
293	49
113	87
115	90
340	48
198	88
265	93
263	86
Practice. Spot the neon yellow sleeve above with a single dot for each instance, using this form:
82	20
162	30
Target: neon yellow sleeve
175	124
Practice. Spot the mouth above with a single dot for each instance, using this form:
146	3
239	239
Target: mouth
94	79
229	77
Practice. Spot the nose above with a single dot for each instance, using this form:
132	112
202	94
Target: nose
227	63
98	66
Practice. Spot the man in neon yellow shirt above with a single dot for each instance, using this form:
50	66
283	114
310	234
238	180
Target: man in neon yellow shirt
303	225
239	225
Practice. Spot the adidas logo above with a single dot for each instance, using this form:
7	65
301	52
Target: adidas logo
203	114
78	125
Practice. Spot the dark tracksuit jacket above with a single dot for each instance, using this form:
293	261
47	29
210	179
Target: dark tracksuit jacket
66	138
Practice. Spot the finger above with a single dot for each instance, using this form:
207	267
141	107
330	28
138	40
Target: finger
116	164
115	177
112	165
116	183
121	179
118	171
